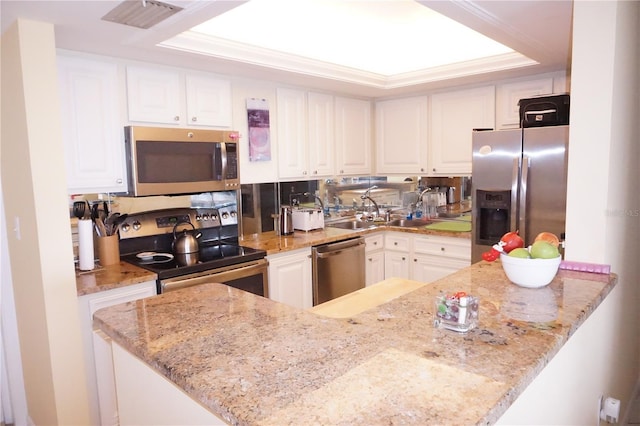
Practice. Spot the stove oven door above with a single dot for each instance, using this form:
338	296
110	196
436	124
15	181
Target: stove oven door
248	276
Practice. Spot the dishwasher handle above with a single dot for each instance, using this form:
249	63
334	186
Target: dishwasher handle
331	249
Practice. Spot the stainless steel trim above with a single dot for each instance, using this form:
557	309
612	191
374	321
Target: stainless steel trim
522	225
515	175
220	275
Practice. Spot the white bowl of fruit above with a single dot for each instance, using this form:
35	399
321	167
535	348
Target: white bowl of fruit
534	266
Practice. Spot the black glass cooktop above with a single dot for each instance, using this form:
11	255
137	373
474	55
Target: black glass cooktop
211	256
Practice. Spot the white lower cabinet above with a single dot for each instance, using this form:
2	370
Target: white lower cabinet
374	258
435	257
98	360
397	251
424	258
290	280
146	398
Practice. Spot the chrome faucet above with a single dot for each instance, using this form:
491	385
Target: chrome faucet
308	194
366	193
366	197
419	201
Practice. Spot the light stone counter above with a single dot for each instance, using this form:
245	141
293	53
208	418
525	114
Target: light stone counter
104	278
273	243
253	361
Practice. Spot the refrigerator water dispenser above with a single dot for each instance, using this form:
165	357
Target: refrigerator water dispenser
493	215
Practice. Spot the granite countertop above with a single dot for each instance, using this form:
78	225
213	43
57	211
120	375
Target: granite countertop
273	243
123	274
104	278
253	361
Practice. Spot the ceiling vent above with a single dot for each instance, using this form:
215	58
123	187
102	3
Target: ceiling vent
141	13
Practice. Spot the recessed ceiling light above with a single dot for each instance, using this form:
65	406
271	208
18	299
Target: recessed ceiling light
377	42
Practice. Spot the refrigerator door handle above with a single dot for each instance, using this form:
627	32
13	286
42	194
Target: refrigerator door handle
523	198
514	194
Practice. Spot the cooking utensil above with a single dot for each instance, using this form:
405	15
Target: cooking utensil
79	209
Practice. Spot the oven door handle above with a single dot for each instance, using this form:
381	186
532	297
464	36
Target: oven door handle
214	277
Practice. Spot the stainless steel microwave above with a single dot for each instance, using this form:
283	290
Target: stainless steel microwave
169	161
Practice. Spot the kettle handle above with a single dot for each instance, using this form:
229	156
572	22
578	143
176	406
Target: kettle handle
180	223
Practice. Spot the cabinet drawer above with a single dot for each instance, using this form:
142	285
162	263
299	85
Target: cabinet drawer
374	242
442	246
397	241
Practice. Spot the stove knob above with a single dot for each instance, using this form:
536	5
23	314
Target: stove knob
225	215
205	216
136	225
198	218
233	214
214	217
125	227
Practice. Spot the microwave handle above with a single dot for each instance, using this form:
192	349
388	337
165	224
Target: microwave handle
223	155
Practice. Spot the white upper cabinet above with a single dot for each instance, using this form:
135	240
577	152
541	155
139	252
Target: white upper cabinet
153	96
454	115
167	97
353	136
292	134
508	96
93	135
321	130
305	134
208	101
401	136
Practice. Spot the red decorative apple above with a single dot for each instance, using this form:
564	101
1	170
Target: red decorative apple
510	241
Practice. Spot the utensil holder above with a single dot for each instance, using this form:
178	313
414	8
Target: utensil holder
108	250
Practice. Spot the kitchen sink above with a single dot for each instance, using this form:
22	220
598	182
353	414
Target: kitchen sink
409	223
354	224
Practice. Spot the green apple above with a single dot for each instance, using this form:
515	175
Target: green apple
520	252
544	250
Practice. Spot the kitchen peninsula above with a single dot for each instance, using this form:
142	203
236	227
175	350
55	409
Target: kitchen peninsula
252	361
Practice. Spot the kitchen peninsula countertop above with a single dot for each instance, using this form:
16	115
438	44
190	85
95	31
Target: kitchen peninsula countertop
253	361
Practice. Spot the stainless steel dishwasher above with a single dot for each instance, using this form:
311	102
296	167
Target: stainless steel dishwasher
338	269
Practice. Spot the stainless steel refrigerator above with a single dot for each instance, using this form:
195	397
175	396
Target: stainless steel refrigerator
519	183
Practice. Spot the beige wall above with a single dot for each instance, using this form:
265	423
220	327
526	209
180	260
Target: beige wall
41	257
603	221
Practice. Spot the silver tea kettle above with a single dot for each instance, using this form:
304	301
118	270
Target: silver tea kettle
185	245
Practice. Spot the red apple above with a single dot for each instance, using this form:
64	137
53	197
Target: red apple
510	241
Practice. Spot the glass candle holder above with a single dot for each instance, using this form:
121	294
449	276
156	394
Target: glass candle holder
457	312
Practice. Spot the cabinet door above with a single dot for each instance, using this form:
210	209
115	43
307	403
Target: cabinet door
401	135
454	115
353	136
425	268
98	363
154	96
374	267
508	96
208	101
396	264
290	278
93	138
321	134
292	134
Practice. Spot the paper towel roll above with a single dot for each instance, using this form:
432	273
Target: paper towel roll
85	245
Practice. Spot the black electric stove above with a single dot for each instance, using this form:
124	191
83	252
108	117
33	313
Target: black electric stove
146	241
212	255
